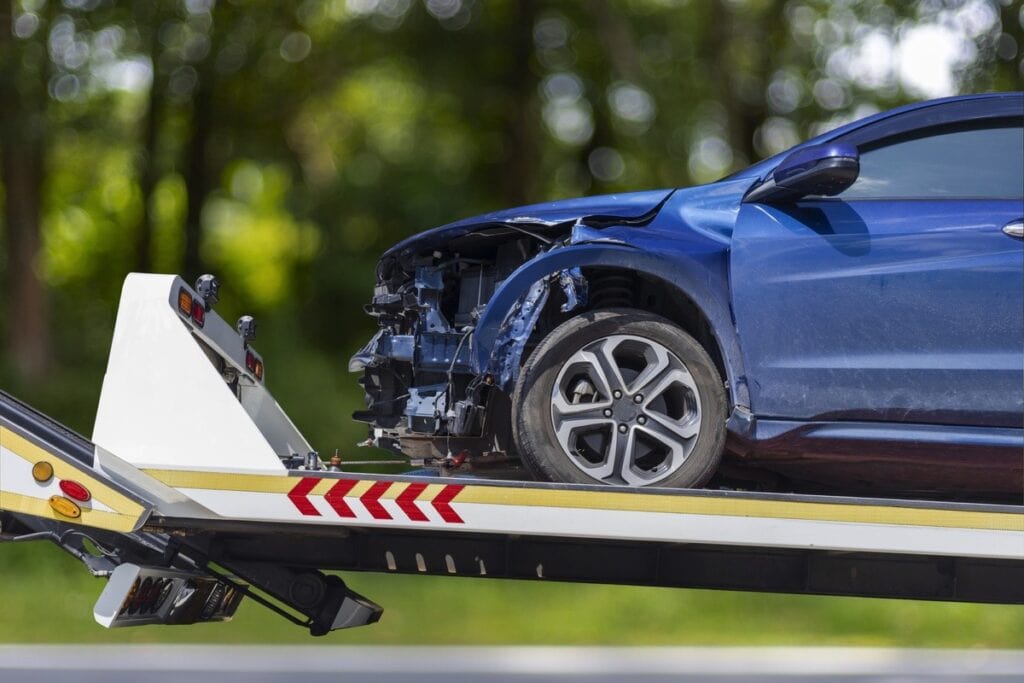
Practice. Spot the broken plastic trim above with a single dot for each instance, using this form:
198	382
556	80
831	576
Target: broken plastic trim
522	319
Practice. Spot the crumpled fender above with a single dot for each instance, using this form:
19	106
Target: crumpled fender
690	278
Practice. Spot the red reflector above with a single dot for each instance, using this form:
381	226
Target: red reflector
72	489
250	362
198	313
259	370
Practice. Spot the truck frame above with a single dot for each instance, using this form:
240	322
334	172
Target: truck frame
196	491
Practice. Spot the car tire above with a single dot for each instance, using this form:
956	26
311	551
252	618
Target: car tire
579	414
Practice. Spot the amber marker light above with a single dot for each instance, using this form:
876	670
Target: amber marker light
63	506
184	303
42	471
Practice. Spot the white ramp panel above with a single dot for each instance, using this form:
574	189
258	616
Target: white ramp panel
166	404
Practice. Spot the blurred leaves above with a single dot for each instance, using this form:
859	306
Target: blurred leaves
251	238
284	145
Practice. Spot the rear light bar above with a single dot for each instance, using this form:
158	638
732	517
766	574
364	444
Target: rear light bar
137	595
191	307
254	365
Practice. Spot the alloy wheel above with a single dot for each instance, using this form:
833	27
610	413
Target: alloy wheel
626	410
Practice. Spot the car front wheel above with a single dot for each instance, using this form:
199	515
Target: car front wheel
620	397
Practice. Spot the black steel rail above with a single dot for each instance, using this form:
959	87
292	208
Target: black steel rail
46	429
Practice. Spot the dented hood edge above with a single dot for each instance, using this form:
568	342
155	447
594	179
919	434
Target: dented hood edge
603	208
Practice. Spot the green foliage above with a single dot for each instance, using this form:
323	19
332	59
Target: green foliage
284	145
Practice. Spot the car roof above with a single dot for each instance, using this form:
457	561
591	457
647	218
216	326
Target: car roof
984	101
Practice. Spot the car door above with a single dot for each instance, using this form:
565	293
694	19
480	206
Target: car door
900	299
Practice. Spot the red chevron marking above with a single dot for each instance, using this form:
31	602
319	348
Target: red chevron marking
371	500
442	500
407	499
336	497
298	496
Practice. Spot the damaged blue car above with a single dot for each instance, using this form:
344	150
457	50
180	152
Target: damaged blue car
845	316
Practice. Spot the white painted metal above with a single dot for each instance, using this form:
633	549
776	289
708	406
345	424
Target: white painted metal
169	501
16	475
637	525
165	405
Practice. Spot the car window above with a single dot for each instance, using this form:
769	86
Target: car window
978	163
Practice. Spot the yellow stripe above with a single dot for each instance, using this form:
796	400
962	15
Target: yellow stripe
99	519
637	502
262	483
223	481
127	515
735	507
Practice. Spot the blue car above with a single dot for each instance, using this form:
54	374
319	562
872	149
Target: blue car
846	317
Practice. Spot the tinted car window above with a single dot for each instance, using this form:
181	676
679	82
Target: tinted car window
980	163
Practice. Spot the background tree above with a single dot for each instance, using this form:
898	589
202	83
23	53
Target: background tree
284	145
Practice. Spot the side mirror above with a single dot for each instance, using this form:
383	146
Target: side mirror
824	170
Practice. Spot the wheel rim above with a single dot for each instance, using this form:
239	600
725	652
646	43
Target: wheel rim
626	410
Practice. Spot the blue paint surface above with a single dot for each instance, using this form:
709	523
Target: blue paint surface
904	315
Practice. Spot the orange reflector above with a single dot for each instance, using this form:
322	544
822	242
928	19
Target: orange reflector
63	506
42	472
184	302
72	489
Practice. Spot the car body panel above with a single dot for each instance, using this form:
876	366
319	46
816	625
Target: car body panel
894	121
920	460
907	310
882	332
862	311
699	270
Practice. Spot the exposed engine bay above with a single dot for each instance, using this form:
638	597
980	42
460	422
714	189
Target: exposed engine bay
439	373
426	395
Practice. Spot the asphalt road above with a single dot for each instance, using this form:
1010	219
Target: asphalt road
320	664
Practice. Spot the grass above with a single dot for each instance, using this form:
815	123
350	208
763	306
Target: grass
47	597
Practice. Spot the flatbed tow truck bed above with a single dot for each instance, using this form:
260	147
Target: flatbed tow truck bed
187	522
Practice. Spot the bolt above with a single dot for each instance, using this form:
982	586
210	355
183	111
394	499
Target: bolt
617	394
623	429
639	398
642	420
607	412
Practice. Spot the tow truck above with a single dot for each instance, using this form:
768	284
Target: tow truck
196	491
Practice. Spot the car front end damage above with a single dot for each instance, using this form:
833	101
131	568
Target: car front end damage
437	391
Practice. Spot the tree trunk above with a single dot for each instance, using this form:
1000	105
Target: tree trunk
147	169
743	57
1009	60
618	42
22	112
197	176
517	179
620	50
